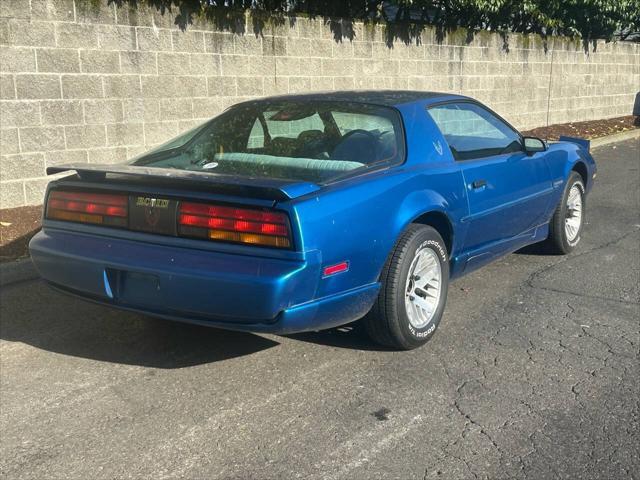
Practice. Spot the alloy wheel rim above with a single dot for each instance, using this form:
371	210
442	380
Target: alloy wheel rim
423	287
573	217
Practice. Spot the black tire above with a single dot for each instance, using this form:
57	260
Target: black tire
388	322
557	242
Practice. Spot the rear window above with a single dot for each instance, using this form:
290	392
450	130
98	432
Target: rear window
293	140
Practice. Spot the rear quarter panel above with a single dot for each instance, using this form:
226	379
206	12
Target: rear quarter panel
360	219
562	158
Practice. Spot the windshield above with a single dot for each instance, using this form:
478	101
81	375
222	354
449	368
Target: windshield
294	140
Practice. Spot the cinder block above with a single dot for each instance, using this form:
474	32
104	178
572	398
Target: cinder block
11	194
62	112
59	157
99	61
108	155
19	114
7	87
9	143
153	39
58	60
159	132
59	10
234	65
204	64
81	86
34	190
299	84
360	49
188	41
190	86
175	109
250	86
18	167
334	67
76	35
103	111
32	86
173	63
222	86
139	62
299	47
27	33
86	136
111	37
141	109
41	139
343	83
205	108
119	134
15	8
218	42
286	66
16	59
95	12
274	46
122	86
156	87
247	44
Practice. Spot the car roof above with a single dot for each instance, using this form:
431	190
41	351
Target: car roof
375	97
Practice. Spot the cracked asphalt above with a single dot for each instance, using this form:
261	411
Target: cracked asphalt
534	373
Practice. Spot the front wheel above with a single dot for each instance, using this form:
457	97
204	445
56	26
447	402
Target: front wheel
566	225
413	293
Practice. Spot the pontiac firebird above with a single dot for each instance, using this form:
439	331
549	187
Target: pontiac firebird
306	212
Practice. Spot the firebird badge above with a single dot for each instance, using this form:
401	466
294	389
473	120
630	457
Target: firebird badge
150	214
438	146
152	202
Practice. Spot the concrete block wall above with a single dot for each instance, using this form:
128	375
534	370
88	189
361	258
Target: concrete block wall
81	82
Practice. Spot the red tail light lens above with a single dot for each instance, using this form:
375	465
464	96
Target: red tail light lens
231	224
85	207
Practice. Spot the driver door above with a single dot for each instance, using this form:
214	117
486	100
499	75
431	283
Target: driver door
508	190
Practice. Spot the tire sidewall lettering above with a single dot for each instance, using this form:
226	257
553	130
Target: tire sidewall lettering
436	246
576	240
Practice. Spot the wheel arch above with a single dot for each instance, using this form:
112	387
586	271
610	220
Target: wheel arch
441	223
580	168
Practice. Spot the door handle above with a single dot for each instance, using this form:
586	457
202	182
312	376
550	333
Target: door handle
479	183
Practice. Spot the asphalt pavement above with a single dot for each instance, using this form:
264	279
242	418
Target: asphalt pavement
533	373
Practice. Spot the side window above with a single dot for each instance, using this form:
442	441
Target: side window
473	132
280	125
347	121
256	137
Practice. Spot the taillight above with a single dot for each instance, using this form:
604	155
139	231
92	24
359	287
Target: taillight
232	224
84	207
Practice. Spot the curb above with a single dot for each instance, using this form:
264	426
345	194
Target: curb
17	271
616	137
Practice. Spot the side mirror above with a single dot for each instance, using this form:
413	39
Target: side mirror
533	145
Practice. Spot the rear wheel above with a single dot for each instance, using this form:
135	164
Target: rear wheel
413	293
566	225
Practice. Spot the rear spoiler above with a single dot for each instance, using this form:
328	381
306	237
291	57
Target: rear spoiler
269	188
581	142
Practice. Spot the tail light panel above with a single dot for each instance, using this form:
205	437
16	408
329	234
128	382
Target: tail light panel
88	207
232	224
249	226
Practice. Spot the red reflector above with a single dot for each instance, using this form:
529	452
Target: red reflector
337	268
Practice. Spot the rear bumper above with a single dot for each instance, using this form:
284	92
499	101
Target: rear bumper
204	287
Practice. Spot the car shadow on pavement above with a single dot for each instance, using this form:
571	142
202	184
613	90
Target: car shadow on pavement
351	336
32	314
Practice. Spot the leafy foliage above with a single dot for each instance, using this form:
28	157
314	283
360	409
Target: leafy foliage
405	19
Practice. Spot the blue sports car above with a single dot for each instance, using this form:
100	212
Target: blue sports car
305	212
